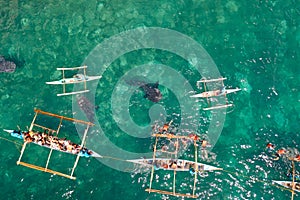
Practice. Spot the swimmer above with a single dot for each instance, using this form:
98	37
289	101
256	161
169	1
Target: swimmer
279	153
270	146
166	127
297	158
194	137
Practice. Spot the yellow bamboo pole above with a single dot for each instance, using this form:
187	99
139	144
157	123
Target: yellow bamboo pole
32	123
196	168
46	170
153	160
170	193
84	72
64	85
58	128
22	151
174	182
170	136
45	128
82	143
293	180
57	131
65	118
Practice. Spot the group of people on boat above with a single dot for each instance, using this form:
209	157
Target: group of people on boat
192	136
44	139
173	164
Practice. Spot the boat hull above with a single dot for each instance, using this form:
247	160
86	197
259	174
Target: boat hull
92	153
288	184
73	80
181	165
215	93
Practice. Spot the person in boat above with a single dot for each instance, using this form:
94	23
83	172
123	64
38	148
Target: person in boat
173	164
80	77
192	171
220	91
27	137
17	134
85	152
279	153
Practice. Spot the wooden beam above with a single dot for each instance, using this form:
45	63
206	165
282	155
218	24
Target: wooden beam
46	170
22	151
82	144
69	93
170	193
64	118
293	181
32	123
217	107
84	73
170	136
72	68
45	128
211	80
153	160
196	168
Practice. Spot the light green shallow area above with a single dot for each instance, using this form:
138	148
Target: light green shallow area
255	44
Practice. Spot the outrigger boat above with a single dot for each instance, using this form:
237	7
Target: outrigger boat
167	164
215	93
78	78
289	185
175	165
79	151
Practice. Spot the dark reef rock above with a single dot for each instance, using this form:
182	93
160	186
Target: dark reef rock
6	66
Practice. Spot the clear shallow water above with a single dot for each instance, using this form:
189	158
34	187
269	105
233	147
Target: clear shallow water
254	44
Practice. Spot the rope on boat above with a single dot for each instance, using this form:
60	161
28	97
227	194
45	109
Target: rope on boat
16	143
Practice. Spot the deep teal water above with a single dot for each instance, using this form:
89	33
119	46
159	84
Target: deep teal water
254	44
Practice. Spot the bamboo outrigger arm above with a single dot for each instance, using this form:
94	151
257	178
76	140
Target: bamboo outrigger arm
46	169
64	118
170	193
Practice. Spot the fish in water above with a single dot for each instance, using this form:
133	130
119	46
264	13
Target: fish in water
87	107
151	90
6	66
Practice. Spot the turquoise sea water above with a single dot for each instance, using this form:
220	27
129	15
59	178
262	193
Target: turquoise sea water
255	44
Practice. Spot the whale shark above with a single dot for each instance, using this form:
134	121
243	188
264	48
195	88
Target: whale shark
151	90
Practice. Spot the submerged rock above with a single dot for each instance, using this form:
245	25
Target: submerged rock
6	66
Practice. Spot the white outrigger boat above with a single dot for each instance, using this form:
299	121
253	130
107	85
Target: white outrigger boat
78	78
214	93
174	164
